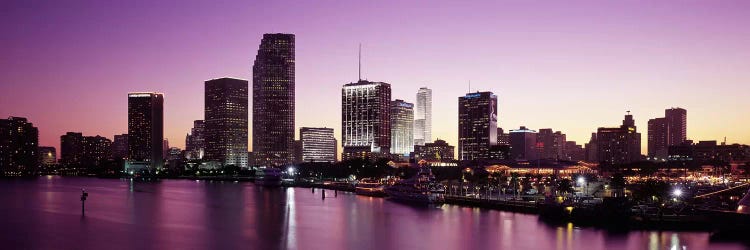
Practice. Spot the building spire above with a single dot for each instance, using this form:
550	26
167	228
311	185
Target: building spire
360	62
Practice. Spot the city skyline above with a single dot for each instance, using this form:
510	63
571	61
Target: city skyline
575	99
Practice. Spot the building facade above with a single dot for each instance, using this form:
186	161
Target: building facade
365	119
273	99
523	144
226	122
318	144
402	127
434	151
47	156
195	142
620	145
19	147
77	150
423	117
145	131
120	147
670	130
477	125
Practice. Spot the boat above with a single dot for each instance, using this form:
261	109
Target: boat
369	187
416	190
268	177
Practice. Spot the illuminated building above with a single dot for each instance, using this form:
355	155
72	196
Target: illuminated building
273	100
120	147
620	145
19	142
477	125
226	121
402	127
195	143
77	150
318	144
423	117
145	131
434	151
365	119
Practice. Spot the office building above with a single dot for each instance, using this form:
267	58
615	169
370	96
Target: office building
120	147
402	127
477	125
145	131
366	119
670	130
195	141
273	100
523	144
434	151
77	150
318	144
423	117
226	121
619	145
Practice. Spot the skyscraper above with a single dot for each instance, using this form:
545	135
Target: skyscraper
318	144
477	125
226	121
19	143
273	99
670	130
620	145
423	117
195	141
145	130
402	127
365	119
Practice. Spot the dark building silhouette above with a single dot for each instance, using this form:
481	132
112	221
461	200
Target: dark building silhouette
195	142
77	150
19	142
477	125
273	100
120	147
47	156
318	144
226	121
523	144
620	145
145	131
670	130
591	147
573	152
434	151
502	137
552	144
366	119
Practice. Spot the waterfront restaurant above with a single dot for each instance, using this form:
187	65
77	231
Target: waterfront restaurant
544	168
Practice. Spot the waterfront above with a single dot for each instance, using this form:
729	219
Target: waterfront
44	213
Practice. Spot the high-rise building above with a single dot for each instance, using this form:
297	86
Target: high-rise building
77	150
670	130
657	139
620	145
19	142
477	125
195	143
502	137
47	156
573	152
365	119
318	144
273	99
226	121
591	149
523	144
552	143
423	117
120	147
434	151
145	131
402	127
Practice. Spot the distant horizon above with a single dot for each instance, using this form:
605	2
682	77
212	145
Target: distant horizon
570	68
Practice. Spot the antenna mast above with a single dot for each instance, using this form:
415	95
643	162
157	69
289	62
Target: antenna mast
360	62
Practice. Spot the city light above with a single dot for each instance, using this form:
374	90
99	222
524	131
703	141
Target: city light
677	192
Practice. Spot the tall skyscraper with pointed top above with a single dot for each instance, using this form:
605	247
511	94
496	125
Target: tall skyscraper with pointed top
273	100
423	117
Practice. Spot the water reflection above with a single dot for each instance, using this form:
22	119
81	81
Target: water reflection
44	213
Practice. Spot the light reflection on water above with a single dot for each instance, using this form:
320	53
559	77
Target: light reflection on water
44	213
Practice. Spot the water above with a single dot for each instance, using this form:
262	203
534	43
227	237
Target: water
45	213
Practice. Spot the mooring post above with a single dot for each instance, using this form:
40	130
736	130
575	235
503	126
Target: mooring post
84	195
323	194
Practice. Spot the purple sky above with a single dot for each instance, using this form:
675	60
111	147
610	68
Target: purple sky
569	65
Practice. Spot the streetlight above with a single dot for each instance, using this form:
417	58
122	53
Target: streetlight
582	182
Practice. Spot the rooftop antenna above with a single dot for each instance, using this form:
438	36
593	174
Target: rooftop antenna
360	62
